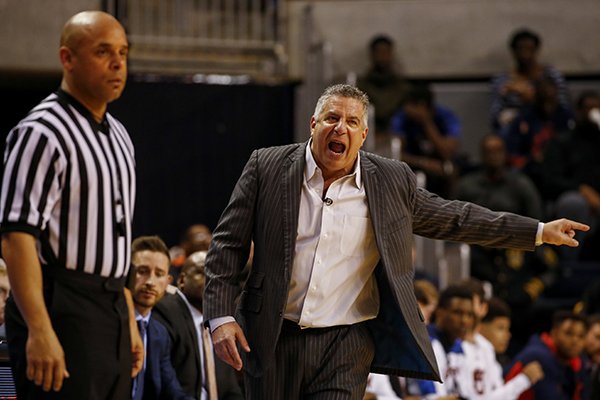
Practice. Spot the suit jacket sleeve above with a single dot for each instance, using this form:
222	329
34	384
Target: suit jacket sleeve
230	245
455	220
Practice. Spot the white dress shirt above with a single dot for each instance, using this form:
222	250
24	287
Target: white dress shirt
332	281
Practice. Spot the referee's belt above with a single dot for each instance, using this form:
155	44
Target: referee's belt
92	282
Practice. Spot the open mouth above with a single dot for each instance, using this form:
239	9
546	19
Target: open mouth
337	148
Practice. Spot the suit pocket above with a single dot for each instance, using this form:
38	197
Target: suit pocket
255	280
251	301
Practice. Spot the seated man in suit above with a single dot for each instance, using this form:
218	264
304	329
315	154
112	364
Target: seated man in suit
157	380
181	314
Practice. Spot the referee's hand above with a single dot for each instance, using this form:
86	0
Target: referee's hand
45	359
137	352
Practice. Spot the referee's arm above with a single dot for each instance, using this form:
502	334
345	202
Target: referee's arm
45	356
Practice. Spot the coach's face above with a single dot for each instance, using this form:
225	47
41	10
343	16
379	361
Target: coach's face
151	279
337	135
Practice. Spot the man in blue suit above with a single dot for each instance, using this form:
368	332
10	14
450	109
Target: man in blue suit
157	380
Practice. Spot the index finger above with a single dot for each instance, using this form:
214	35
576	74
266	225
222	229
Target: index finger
578	226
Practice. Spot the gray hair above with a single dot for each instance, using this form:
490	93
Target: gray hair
343	90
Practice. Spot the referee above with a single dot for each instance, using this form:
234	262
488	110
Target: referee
66	205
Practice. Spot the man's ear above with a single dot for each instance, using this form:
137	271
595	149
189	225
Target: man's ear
180	280
313	123
66	57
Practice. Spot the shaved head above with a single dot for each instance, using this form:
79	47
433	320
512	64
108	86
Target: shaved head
82	25
93	52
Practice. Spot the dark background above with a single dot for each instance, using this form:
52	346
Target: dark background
191	140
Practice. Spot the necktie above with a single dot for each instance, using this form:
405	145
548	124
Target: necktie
138	383
209	365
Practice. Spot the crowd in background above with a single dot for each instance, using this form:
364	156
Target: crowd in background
539	158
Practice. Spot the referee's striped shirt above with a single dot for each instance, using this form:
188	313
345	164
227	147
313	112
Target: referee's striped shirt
70	182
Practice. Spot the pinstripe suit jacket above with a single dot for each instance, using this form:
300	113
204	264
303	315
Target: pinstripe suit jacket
264	207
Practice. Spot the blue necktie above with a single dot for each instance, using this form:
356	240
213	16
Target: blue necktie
138	382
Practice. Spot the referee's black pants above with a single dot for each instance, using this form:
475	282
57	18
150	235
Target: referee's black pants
90	317
317	364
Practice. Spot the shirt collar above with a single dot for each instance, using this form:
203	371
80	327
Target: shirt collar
139	317
311	167
67	98
196	314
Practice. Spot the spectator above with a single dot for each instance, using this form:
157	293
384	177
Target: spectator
496	186
385	87
181	314
430	135
150	260
559	353
495	327
512	90
572	170
196	237
592	350
427	298
483	378
535	125
453	317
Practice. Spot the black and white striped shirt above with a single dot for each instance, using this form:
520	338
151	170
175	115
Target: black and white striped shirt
70	182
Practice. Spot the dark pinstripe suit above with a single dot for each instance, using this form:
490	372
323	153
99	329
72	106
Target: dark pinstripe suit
264	207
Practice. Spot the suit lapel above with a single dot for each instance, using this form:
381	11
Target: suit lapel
292	185
190	327
375	198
